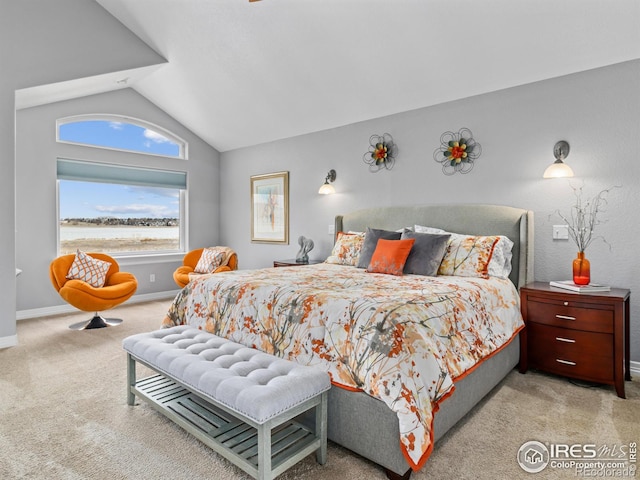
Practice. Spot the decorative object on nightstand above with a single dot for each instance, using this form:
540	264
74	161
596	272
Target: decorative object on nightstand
326	188
306	245
590	288
457	151
581	222
581	268
292	262
559	169
381	154
578	335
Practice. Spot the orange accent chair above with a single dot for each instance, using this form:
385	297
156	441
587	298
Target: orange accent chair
119	287
189	262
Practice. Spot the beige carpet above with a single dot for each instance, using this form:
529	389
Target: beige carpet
64	415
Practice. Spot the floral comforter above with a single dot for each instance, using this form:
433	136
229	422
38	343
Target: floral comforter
403	340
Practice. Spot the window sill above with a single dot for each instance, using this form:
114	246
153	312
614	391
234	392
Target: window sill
147	258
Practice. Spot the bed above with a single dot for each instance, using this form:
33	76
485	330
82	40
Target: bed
398	348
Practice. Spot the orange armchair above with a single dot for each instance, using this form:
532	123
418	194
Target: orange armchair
119	287
190	260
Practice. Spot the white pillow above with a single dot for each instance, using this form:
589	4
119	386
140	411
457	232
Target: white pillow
423	229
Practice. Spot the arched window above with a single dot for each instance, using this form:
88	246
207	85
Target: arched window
115	207
120	133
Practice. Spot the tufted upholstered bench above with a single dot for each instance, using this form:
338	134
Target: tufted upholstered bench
237	400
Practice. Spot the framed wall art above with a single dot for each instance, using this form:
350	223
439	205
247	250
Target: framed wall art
270	208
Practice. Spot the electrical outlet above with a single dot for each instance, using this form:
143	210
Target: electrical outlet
332	229
561	232
152	277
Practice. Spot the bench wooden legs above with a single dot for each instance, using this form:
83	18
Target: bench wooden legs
265	439
264	451
131	379
321	428
272	448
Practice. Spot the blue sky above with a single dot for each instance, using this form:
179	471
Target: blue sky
90	200
124	136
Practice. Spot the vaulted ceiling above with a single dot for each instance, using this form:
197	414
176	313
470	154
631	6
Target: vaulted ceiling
240	73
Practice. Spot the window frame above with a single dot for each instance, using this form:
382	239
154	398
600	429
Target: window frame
182	226
148	256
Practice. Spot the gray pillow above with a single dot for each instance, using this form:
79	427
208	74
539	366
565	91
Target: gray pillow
426	254
371	238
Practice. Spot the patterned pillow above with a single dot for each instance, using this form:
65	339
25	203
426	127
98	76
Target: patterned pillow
347	248
210	259
468	255
390	256
88	269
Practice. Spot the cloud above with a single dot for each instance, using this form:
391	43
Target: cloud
116	125
139	210
155	136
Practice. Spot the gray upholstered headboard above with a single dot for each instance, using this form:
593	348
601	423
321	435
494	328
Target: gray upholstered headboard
515	223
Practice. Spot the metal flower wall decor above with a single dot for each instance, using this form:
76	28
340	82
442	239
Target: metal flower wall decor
457	151
381	154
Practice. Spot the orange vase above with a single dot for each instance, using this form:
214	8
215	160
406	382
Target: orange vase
581	270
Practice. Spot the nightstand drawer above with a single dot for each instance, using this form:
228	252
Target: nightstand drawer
573	343
573	353
572	315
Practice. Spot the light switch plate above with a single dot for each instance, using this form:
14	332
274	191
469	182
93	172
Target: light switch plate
561	232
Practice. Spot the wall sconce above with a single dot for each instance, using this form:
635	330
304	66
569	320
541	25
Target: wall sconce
326	188
559	169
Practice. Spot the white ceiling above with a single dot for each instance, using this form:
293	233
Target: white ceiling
242	73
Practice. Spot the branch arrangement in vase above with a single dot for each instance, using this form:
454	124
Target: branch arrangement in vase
584	217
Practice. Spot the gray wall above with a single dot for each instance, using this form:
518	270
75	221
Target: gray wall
36	154
42	42
597	112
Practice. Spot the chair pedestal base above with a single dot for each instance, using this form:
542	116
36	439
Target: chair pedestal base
96	322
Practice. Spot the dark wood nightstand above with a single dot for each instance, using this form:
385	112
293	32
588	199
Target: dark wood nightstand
578	335
291	262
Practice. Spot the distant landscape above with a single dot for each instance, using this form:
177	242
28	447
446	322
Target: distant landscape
113	221
114	235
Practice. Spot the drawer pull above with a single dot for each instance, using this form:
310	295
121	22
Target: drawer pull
566	362
565	317
567	340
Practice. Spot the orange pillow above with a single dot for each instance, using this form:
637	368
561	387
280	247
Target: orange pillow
390	256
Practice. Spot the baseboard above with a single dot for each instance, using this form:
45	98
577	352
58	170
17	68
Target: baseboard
10	341
66	308
634	369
